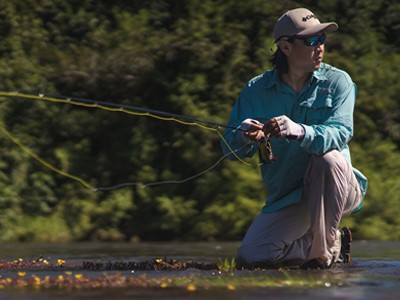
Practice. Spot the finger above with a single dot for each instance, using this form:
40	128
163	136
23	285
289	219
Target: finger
276	132
272	127
279	120
269	126
260	135
252	134
256	127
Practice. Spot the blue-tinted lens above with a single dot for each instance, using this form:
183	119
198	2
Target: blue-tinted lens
311	41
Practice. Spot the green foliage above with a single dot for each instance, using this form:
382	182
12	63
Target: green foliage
42	229
185	57
226	265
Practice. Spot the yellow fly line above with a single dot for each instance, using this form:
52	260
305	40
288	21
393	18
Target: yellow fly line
42	97
99	106
42	161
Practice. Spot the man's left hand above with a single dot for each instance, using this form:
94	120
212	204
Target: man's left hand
282	126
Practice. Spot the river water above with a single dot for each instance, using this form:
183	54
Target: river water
375	273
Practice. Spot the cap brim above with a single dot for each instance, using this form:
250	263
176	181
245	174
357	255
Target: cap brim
323	27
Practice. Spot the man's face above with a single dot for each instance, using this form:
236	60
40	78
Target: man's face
303	57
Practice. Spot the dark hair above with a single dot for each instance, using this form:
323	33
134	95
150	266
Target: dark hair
279	61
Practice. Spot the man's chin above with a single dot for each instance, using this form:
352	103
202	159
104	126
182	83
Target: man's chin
317	66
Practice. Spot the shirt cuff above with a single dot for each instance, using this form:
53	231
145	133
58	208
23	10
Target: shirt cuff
309	134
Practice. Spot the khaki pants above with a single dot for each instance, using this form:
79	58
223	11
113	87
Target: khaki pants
308	229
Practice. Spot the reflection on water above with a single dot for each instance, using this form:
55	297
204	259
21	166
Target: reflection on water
121	251
374	275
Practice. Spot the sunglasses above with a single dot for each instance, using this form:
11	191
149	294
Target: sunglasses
309	41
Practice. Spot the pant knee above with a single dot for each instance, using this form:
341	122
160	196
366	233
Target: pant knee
330	165
256	256
243	256
326	161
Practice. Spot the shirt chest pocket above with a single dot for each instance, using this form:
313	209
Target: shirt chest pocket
316	109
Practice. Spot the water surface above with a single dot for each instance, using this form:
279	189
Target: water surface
375	273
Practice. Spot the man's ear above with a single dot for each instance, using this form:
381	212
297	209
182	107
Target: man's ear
285	47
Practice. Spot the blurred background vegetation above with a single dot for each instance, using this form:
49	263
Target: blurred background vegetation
185	57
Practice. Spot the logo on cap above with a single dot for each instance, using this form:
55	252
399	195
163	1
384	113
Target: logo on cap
306	18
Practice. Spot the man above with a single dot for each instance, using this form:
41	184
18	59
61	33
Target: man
304	107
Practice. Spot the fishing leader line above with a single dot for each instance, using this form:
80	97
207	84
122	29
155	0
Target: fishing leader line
132	110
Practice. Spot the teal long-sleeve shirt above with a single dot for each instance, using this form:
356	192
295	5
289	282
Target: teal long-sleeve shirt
324	108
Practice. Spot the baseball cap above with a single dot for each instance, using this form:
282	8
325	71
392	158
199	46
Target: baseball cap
300	21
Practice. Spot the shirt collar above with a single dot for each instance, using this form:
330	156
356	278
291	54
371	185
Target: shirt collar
319	75
272	77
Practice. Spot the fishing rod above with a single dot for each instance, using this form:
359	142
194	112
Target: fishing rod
132	110
115	106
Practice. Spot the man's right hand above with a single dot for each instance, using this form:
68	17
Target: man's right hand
251	130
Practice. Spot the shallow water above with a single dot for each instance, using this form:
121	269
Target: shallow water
375	273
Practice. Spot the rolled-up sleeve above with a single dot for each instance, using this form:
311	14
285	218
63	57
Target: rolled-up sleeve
337	129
